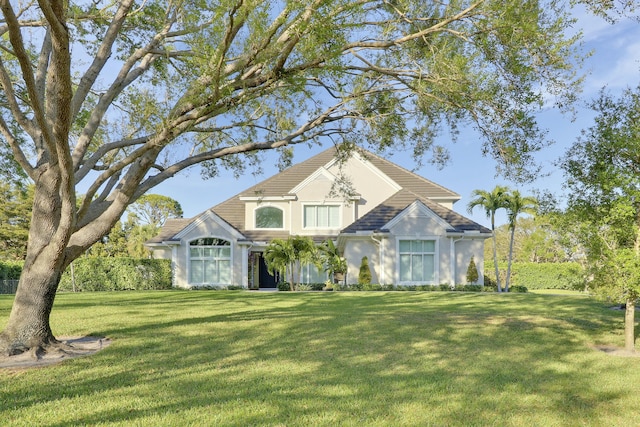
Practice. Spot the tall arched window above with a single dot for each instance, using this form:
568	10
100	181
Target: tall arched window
210	261
269	217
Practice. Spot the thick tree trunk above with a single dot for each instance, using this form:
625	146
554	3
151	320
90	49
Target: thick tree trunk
51	222
28	327
629	325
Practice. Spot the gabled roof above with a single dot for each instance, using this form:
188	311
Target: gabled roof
414	187
232	210
409	180
169	230
378	217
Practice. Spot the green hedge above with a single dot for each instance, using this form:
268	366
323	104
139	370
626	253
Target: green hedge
117	274
563	275
10	270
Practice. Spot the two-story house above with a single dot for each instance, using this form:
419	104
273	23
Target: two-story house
401	221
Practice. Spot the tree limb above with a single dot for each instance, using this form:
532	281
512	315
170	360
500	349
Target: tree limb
102	55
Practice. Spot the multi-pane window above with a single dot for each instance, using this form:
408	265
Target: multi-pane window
310	273
321	216
417	261
269	217
210	261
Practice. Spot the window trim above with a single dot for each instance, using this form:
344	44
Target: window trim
255	218
436	259
305	274
189	245
316	205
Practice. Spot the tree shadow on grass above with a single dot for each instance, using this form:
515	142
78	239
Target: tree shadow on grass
327	359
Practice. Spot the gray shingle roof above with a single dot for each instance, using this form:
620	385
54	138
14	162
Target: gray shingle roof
394	205
170	229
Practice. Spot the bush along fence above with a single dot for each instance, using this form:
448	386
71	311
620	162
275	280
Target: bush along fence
99	274
9	276
531	275
116	274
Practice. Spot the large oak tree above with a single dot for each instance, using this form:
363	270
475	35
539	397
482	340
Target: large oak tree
114	97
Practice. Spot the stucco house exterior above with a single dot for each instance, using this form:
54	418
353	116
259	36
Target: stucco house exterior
403	223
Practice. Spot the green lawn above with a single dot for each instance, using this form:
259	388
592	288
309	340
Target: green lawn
306	359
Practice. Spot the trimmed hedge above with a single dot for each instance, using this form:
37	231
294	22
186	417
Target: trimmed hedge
561	275
117	274
10	270
419	288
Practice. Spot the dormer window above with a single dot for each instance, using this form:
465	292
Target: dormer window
269	217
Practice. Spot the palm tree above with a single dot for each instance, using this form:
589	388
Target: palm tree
491	202
284	256
334	263
278	257
516	205
304	252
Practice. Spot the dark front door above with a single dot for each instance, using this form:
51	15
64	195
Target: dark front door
265	280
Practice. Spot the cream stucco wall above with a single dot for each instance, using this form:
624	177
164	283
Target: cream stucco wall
354	251
373	186
465	249
161	252
452	253
317	192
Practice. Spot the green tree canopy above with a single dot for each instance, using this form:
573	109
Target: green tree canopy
155	209
538	239
603	179
15	217
117	97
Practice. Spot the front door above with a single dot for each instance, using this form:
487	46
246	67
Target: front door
265	280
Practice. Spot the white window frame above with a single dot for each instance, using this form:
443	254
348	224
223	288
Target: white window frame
321	205
436	259
305	273
255	218
203	258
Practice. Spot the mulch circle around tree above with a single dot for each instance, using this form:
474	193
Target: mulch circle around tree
72	347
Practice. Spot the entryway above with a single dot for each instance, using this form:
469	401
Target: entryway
266	281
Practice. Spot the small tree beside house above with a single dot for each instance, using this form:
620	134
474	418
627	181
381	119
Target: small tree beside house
472	272
364	276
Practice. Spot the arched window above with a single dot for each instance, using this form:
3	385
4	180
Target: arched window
269	217
210	261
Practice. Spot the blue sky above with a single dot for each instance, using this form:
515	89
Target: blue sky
615	63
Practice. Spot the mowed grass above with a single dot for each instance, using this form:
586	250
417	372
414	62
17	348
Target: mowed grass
237	358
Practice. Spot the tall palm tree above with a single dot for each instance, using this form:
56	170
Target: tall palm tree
491	202
516	205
